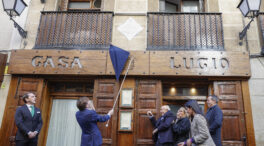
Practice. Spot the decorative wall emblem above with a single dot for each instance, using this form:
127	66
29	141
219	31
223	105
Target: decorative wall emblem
130	28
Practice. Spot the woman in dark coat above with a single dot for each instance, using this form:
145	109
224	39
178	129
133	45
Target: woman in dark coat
181	127
87	119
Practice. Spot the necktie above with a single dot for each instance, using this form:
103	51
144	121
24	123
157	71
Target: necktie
32	110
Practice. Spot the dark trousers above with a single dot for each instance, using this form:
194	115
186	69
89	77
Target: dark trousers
163	144
26	142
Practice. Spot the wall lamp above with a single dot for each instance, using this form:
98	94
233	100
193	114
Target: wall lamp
250	9
15	8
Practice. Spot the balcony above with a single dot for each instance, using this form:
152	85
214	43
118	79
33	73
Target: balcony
74	30
185	31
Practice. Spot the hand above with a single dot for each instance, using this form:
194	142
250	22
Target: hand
181	144
189	142
155	131
149	113
31	134
35	133
111	112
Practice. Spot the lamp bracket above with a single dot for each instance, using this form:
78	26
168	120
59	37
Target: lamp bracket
21	31
244	31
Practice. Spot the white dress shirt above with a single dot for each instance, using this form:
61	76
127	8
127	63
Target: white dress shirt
28	105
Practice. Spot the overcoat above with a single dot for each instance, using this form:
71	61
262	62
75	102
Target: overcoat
181	130
214	117
91	135
164	125
200	132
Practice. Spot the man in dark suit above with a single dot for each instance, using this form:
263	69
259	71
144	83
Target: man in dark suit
28	121
87	119
214	117
163	127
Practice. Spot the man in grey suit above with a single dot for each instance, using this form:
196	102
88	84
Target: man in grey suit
28	121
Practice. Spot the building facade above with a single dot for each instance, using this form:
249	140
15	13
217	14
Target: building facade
179	50
10	39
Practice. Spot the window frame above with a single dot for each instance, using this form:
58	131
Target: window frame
180	5
92	6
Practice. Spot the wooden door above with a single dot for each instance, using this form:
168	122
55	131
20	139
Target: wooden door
105	91
18	87
148	97
233	129
126	137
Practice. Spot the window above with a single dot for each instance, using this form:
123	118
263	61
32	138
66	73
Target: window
84	4
190	6
63	127
173	6
79	5
72	87
170	6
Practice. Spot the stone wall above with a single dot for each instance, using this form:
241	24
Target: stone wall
256	86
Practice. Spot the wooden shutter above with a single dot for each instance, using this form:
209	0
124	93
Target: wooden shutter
3	59
148	97
105	91
18	87
233	129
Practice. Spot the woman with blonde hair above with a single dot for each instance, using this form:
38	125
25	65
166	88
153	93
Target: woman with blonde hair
181	127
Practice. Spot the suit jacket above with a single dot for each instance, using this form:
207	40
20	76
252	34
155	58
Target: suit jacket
181	130
214	117
91	135
165	133
200	132
25	122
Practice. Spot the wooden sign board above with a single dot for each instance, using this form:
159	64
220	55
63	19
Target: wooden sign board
58	62
199	63
139	64
161	63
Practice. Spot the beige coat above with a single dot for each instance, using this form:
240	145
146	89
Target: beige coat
200	131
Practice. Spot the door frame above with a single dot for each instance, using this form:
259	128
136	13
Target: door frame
46	107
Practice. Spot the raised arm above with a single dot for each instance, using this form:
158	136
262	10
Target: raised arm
153	121
94	117
165	125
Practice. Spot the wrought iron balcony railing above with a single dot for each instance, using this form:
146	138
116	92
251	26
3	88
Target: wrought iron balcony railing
185	31
74	30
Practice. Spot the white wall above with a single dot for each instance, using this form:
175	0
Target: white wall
256	87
